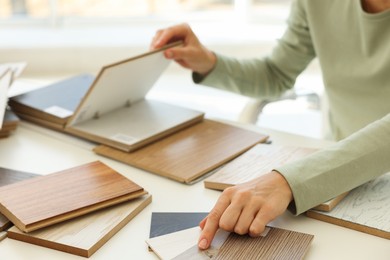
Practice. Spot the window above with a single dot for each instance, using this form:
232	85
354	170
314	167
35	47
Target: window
60	12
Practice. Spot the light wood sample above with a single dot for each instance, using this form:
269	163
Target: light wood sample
8	176
257	161
86	234
366	209
191	152
49	199
279	244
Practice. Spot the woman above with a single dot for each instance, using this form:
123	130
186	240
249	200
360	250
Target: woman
351	40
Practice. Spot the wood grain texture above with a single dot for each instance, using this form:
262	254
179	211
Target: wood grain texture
63	195
257	161
189	153
366	209
8	176
86	234
279	244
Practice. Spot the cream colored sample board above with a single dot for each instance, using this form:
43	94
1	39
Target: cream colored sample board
86	234
366	209
115	112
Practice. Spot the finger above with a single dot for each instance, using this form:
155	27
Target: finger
177	53
179	32
230	217
211	224
264	216
248	214
155	38
202	222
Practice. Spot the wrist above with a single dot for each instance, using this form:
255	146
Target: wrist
209	65
283	184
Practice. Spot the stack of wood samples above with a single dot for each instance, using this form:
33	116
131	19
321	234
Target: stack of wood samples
53	105
257	161
275	243
84	235
10	123
64	195
190	153
8	176
366	209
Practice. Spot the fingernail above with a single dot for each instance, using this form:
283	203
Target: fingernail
169	54
203	244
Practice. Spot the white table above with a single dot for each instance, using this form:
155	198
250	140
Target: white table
43	151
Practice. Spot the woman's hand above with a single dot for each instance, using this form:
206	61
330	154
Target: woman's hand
247	208
191	55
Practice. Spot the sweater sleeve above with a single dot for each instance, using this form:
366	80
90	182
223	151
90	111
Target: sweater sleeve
271	76
341	167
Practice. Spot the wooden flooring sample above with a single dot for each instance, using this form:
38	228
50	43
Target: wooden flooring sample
86	234
279	244
8	176
259	160
366	209
46	200
190	153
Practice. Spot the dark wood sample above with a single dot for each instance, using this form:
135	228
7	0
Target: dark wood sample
48	102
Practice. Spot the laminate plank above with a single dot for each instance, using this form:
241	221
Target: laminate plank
279	244
190	153
86	234
8	176
63	195
366	209
257	161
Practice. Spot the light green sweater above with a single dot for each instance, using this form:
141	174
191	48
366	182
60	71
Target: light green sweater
353	48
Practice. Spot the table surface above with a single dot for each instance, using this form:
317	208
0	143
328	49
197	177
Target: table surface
39	150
